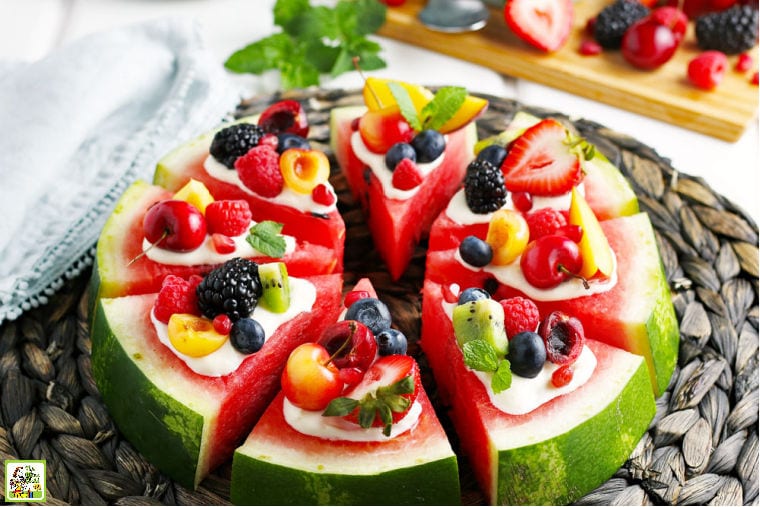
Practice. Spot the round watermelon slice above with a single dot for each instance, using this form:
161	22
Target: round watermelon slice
556	453
185	423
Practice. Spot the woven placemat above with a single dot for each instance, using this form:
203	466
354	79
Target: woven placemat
701	447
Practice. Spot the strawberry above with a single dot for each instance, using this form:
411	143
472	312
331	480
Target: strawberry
542	161
230	217
406	176
544	24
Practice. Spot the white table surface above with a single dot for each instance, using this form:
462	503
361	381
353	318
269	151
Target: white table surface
29	29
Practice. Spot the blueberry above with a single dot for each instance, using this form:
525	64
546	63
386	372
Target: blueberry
472	294
494	154
286	140
527	354
372	313
247	336
475	251
390	341
429	144
397	153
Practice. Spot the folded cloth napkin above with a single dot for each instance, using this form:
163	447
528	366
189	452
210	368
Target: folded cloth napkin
77	127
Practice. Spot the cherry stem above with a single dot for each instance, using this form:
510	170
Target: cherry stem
563	269
352	327
355	61
155	243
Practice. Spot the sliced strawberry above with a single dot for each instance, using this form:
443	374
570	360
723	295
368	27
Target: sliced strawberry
544	24
542	161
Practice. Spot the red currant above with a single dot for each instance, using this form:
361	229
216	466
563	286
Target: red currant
222	324
523	201
562	375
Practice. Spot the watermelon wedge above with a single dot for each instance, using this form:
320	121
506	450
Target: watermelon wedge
557	452
320	225
280	465
183	422
636	314
397	225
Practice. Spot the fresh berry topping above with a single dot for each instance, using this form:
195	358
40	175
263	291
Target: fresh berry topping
270	140
354	296
232	288
391	341
259	171
732	31
174	225
572	232
302	170
494	154
612	22
523	201
542	162
526	354
380	129
323	195
562	375
545	221
484	188
235	141
285	141
397	153
543	24
230	217
520	314
743	63
222	244
247	336
706	70
472	294
648	44
429	145
310	380
754	80
475	251
550	260
406	176
285	116
350	344
222	324
177	295
673	18
563	337
371	312
589	48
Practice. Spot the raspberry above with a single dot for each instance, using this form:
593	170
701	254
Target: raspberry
259	170
234	141
732	31
706	70
484	188
520	314
743	63
406	176
177	295
612	22
230	217
545	221
322	195
754	80
223	244
589	48
562	375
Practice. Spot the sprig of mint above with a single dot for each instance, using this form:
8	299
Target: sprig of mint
266	238
314	40
481	356
385	401
444	105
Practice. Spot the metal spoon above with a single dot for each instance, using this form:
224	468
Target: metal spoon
454	15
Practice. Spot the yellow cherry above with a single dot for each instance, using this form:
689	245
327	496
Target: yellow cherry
302	170
194	336
594	247
508	235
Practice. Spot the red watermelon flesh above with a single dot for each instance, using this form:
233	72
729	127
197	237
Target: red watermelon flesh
398	225
121	242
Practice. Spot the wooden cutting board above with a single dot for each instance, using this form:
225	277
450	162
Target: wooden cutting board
665	93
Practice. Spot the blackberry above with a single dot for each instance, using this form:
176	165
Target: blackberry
484	188
732	31
235	141
612	22
233	289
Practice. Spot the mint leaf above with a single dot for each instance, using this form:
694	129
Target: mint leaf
502	377
298	74
266	238
405	104
261	55
443	107
340	407
285	11
480	355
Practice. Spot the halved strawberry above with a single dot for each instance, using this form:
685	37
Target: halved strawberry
542	161
544	24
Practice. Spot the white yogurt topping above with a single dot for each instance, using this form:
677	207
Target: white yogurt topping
287	197
207	254
313	423
376	163
226	359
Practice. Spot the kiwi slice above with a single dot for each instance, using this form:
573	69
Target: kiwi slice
482	319
276	287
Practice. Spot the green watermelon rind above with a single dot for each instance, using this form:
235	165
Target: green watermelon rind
664	336
429	483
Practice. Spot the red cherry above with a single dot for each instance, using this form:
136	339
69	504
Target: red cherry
310	380
563	337
285	116
550	260
382	128
350	343
647	44
673	18
174	225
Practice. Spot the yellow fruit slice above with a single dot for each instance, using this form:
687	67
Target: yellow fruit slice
469	110
302	170
594	247
508	235
196	193
194	336
377	94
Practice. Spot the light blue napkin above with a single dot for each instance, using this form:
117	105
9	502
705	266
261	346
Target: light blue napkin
77	127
